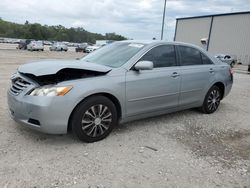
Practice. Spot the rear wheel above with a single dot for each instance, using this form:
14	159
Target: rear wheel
94	119
212	100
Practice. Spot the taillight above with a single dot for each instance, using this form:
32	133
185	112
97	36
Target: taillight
231	71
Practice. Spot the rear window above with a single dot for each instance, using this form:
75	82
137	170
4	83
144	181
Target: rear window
206	60
190	56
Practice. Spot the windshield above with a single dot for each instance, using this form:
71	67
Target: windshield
114	55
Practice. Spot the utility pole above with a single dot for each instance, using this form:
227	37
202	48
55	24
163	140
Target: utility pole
163	19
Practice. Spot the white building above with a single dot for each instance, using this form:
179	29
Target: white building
218	34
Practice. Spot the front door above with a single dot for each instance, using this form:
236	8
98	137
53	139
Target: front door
157	89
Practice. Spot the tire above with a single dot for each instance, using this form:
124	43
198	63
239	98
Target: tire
212	100
91	121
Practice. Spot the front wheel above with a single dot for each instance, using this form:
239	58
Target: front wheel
212	100
94	119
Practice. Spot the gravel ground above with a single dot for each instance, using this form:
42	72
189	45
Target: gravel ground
184	149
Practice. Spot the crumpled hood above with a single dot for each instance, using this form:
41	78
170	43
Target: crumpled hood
46	67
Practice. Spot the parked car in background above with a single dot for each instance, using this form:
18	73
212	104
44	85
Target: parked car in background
58	46
75	44
35	46
103	42
8	40
1	40
23	44
45	42
71	44
81	47
230	60
90	49
120	82
15	41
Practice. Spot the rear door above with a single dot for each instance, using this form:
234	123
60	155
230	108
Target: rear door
157	89
196	70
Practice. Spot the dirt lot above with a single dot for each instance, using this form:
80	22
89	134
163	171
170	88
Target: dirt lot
184	149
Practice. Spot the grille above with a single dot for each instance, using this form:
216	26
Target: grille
18	85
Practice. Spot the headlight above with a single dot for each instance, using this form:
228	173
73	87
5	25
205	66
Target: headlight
14	75
51	91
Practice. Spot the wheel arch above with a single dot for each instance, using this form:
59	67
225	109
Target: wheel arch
108	95
221	86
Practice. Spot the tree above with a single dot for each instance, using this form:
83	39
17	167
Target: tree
59	33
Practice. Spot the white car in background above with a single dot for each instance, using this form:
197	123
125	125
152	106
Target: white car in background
46	42
35	46
58	46
90	49
230	60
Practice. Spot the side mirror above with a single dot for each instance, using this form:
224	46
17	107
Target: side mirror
144	65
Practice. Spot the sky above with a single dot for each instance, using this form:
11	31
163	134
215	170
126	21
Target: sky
134	19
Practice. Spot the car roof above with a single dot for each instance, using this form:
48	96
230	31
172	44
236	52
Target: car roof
155	42
151	43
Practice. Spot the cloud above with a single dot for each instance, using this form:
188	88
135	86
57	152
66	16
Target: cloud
140	19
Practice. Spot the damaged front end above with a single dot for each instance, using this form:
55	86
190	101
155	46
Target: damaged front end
55	71
63	75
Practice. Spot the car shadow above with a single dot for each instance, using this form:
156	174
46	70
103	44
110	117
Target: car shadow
38	137
147	122
70	138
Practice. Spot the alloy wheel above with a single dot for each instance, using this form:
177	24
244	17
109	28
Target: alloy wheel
213	100
96	120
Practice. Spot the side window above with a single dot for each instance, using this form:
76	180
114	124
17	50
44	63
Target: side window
161	56
190	56
206	60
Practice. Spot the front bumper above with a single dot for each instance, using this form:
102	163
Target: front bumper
45	114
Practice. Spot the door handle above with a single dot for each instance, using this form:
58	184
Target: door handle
211	70
174	75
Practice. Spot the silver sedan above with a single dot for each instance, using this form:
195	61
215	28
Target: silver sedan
120	82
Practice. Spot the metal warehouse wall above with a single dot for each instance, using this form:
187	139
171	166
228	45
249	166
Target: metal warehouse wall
192	30
231	35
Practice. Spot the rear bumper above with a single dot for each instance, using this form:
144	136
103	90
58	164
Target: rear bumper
44	114
228	86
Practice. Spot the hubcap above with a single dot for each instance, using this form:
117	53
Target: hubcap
213	100
96	120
